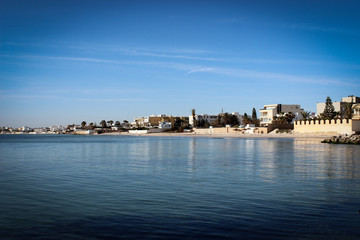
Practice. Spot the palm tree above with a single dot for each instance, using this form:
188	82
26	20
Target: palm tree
103	123
289	117
117	123
110	122
348	110
305	114
83	124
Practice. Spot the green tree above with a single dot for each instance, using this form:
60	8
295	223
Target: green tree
289	117
117	123
329	111
305	114
246	119
83	124
233	120
110	122
348	112
218	121
201	123
91	125
103	123
254	115
283	118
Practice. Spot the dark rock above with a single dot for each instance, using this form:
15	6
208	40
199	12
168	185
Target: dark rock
345	139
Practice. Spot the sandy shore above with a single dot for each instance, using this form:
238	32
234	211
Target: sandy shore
279	135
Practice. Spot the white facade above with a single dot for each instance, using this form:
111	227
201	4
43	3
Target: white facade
268	113
212	118
338	106
165	125
209	118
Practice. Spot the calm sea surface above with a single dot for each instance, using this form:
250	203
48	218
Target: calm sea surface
123	187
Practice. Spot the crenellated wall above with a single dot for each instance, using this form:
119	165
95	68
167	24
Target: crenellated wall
334	126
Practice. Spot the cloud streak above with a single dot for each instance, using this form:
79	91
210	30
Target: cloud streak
317	28
191	68
200	70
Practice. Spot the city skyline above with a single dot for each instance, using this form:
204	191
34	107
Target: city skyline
65	62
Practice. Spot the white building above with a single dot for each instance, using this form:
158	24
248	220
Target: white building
165	125
338	106
212	118
268	113
207	118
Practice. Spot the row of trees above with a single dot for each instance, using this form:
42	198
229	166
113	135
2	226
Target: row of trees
103	124
284	118
330	113
251	120
224	119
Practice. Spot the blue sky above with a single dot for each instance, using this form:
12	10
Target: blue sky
63	62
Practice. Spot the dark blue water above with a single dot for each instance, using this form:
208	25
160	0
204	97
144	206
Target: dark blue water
122	187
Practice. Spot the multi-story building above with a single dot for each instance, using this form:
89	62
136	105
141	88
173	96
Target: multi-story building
268	113
211	119
154	121
338	106
207	118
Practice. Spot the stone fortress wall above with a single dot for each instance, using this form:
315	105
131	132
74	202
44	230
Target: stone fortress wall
328	127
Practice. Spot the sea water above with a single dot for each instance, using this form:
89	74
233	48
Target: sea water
124	187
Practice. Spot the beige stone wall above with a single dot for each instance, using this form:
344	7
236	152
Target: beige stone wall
224	130
228	130
261	130
339	126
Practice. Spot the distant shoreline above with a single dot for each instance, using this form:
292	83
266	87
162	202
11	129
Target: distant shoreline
279	135
226	135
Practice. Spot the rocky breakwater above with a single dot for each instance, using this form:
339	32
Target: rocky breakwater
343	139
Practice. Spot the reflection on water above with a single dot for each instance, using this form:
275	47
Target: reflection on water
108	187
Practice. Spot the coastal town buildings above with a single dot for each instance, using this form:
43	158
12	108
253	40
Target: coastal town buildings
211	119
335	126
338	106
199	117
239	117
165	125
356	111
268	113
156	120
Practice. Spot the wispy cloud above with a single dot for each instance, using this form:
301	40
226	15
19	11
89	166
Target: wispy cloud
111	99
318	28
29	96
53	97
243	73
152	54
191	68
200	70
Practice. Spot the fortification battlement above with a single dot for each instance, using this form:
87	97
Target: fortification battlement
324	122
